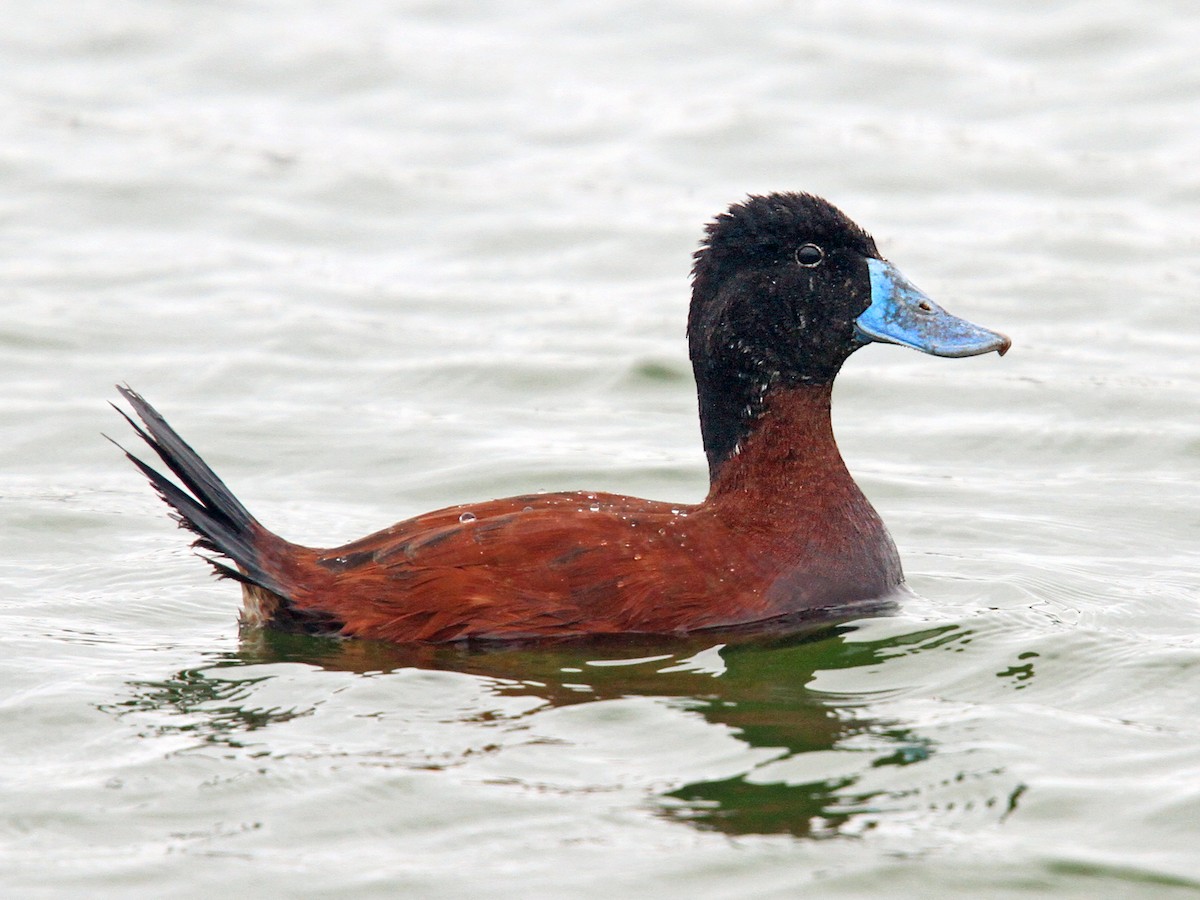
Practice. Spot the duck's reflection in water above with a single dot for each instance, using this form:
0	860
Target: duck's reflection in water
825	754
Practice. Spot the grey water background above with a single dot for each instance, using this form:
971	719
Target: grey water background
373	258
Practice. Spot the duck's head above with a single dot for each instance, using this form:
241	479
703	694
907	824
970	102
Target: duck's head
785	288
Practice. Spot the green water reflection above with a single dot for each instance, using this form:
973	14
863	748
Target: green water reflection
761	692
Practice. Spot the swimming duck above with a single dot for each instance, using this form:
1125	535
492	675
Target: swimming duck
785	287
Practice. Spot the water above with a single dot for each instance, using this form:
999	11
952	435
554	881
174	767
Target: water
386	257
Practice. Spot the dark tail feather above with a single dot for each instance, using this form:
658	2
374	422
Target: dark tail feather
219	520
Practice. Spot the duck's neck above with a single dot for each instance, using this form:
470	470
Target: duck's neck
786	456
817	535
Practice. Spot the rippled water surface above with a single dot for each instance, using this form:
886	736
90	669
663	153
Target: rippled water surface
373	258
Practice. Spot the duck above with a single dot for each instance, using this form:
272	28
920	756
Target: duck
785	287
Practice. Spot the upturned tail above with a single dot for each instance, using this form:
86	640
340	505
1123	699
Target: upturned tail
222	525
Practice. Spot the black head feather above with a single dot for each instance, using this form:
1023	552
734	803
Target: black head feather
760	317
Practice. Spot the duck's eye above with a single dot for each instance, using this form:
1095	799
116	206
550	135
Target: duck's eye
809	255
